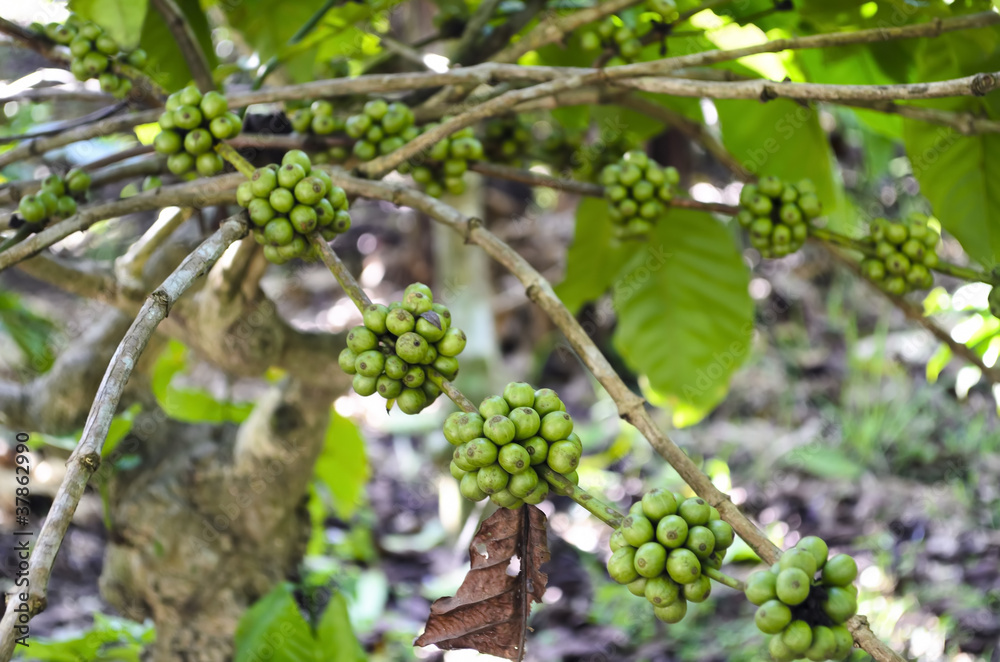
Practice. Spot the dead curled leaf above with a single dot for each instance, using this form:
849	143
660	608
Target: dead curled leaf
490	611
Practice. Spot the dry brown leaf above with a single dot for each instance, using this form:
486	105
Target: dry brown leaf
489	613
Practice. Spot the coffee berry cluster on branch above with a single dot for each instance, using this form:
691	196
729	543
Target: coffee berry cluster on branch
777	214
395	347
661	548
319	119
638	190
905	252
382	127
497	449
191	126
804	601
94	53
287	203
57	198
446	163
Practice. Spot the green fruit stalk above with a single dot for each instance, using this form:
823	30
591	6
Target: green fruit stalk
507	439
191	126
804	600
392	350
638	191
905	252
288	202
776	214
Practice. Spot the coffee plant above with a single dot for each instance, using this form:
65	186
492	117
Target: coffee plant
618	103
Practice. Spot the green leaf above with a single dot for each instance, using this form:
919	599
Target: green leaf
121	425
958	174
343	466
594	258
937	362
335	635
30	332
782	138
122	19
274	624
167	66
685	318
823	462
190	405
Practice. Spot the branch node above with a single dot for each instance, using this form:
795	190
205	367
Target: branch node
983	83
767	93
472	225
91	461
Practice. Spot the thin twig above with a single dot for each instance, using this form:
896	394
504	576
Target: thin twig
95	116
532	178
86	457
554	28
187	42
98	129
190	194
932	28
340	272
965	123
765	90
128	267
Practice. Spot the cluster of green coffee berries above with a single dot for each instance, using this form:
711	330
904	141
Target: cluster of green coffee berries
446	163
661	547
94	53
192	124
612	33
777	214
392	352
590	158
638	190
804	601
905	253
382	127
508	140
498	448
56	199
287	203
318	119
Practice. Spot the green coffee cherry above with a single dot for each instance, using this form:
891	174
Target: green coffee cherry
658	503
537	495
520	484
650	559
673	613
537	449
514	459
621	566
636	530
698	590
683	566
480	452
792	586
761	587
492	478
672	531
840	604
772	617
563	456
840	570
519	394
469	487
493	405
823	646
701	541
695	511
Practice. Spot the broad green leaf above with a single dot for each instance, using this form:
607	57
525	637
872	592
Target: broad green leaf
594	257
274	629
959	174
783	138
167	66
343	466
685	318
190	405
336	638
122	19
